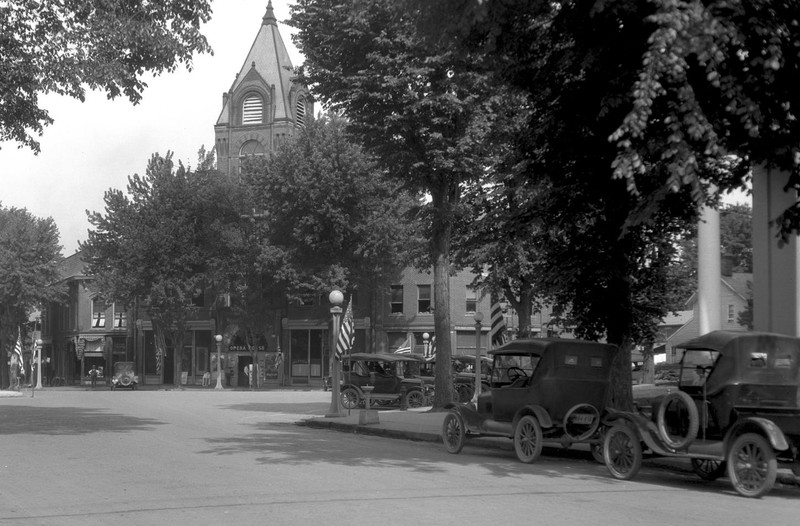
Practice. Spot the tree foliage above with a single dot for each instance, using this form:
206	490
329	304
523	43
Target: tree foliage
160	244
422	110
329	217
29	256
65	46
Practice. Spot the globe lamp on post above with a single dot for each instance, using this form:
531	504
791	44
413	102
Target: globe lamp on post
218	339
336	298
478	319
425	343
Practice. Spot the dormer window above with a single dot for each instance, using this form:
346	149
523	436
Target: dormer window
252	110
301	112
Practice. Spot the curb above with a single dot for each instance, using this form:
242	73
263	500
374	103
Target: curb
371	430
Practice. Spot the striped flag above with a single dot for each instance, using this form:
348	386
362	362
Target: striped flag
497	333
347	333
18	347
408	345
432	349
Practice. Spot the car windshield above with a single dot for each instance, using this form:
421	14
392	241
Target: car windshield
696	366
503	362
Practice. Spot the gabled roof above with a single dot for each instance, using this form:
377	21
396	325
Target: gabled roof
72	267
269	60
736	283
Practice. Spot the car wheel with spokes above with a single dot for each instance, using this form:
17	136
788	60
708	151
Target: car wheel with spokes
350	398
453	432
752	466
622	452
415	398
709	469
528	439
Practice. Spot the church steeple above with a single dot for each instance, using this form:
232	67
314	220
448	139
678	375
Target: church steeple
269	16
264	106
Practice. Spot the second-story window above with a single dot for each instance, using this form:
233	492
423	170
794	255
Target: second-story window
424	299
397	299
731	313
98	314
471	304
120	318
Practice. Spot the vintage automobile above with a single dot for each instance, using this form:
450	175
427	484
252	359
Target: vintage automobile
378	373
463	367
124	376
736	409
543	389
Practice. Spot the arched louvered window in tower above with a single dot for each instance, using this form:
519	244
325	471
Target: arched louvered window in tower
251	148
252	110
301	112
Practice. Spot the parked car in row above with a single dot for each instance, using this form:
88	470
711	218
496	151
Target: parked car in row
542	389
376	374
735	411
463	370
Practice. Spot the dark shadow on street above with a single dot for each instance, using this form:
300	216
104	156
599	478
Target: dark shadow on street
67	421
301	408
287	444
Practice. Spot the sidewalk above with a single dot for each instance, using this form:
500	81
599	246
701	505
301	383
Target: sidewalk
412	424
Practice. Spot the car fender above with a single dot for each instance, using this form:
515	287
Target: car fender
342	387
760	425
538	411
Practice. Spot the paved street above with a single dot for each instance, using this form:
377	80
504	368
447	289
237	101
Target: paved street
74	456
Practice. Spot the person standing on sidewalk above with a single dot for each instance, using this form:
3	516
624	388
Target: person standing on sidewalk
279	366
93	375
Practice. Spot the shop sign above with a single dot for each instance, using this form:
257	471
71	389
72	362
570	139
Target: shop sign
243	348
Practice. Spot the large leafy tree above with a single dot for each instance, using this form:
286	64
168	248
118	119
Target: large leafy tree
421	109
611	200
29	255
156	245
328	215
65	46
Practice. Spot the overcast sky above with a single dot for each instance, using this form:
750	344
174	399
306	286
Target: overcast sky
96	145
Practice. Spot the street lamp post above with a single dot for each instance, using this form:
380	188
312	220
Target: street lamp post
425	344
218	338
336	298
38	364
478	319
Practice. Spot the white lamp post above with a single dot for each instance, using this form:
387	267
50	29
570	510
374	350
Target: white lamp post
336	298
477	369
218	338
425	344
38	364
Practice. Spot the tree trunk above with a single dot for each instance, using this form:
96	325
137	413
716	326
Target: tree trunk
648	365
440	251
524	309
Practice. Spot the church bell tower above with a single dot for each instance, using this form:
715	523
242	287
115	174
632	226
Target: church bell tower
264	106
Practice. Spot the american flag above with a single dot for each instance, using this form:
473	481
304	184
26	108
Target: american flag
497	333
432	349
347	333
408	345
18	348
